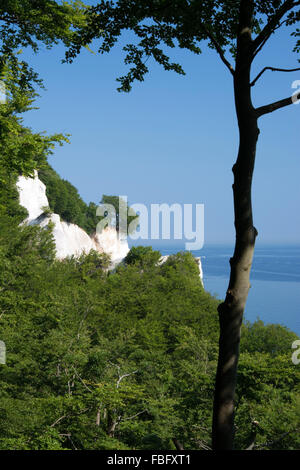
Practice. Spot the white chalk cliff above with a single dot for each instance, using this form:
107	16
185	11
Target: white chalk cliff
70	240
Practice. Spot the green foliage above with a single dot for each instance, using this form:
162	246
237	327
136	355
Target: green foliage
124	360
268	395
271	339
9	198
27	23
268	390
21	150
64	200
80	342
142	256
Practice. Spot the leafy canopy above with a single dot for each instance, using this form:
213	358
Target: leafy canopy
21	150
160	25
26	23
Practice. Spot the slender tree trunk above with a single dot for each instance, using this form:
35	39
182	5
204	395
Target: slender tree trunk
98	417
232	309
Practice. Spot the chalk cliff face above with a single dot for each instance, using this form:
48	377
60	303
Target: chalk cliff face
111	244
32	194
70	240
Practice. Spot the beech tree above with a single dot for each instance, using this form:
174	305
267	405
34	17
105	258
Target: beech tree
237	30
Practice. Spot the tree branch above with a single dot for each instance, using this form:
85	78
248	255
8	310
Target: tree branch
269	28
255	427
219	50
282	436
273	69
123	377
269	108
132	417
57	421
82	381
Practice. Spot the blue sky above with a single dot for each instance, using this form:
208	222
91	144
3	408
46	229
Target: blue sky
174	138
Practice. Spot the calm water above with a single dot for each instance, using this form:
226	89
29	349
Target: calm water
274	296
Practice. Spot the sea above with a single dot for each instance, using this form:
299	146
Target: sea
274	296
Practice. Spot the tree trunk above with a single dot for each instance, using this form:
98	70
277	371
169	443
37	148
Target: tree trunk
177	444
232	309
111	424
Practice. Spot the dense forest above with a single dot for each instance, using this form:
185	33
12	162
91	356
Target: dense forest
125	359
